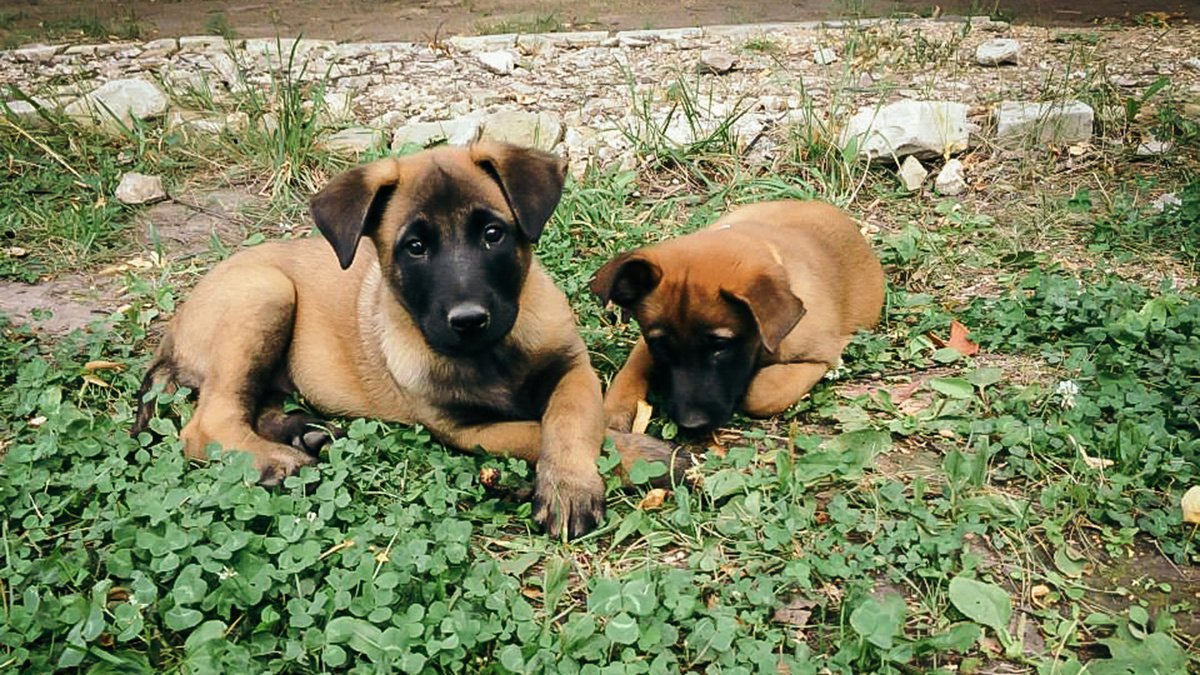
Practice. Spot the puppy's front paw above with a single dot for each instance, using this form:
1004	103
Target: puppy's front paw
280	462
632	447
566	498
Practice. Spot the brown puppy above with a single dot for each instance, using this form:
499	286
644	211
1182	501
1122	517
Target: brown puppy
750	312
432	311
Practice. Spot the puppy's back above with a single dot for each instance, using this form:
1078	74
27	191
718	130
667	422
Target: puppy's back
818	239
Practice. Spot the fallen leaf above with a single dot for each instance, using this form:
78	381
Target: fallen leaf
795	613
118	594
382	556
1038	594
1095	462
641	419
1191	505
958	340
37	421
489	476
653	500
92	379
91	366
531	593
16	252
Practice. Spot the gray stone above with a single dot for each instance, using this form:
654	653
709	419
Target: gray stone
824	56
24	111
458	131
1153	147
535	130
910	127
1057	122
580	39
120	101
193	123
37	53
162	47
716	61
476	43
201	43
337	108
354	141
501	62
1192	63
997	51
950	181
136	188
912	174
633	42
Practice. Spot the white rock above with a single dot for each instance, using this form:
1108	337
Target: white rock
1152	147
825	56
193	123
997	51
458	131
24	111
37	53
136	188
912	174
535	130
501	62
1059	122
716	61
120	101
338	107
201	43
1193	63
354	141
950	181
1165	200
160	47
909	127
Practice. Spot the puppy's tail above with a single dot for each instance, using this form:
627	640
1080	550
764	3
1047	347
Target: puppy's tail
161	372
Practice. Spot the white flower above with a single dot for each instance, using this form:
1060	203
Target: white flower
312	516
1067	389
837	372
226	573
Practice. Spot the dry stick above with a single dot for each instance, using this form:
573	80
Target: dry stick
58	158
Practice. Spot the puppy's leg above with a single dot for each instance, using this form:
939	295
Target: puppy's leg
630	385
297	429
569	493
236	336
776	388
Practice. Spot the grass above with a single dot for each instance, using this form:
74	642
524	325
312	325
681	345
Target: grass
1013	511
540	23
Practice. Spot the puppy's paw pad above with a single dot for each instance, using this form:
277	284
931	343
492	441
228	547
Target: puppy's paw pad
279	465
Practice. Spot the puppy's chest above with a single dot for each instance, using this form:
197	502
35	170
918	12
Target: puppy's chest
500	386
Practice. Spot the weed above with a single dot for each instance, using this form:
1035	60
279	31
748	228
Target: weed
217	23
763	44
541	23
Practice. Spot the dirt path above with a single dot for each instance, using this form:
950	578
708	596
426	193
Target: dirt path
378	20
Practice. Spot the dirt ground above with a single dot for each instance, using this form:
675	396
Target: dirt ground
408	20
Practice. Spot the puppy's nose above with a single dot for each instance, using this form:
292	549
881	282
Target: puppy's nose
694	420
468	318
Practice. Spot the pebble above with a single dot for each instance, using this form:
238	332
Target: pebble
136	188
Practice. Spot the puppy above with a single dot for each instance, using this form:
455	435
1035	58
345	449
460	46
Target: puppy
429	309
748	313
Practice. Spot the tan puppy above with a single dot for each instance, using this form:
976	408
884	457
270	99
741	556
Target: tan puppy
748	313
432	311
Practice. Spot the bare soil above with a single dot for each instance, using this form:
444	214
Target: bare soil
411	21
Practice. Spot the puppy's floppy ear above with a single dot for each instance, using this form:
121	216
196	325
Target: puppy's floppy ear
626	279
531	180
776	310
352	204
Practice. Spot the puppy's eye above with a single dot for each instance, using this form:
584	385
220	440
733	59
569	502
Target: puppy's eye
718	344
415	247
492	234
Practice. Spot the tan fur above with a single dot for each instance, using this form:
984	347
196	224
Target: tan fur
767	254
346	344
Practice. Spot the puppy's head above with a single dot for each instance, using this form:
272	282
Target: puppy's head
707	315
453	228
